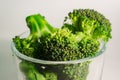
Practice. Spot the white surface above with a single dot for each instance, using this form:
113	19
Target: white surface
12	22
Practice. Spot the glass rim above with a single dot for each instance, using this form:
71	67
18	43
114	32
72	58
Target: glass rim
35	60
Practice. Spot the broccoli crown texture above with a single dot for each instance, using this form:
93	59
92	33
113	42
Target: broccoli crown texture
88	47
76	71
25	46
61	46
64	46
90	22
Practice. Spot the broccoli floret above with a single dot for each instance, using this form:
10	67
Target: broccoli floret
89	47
25	46
90	22
38	27
62	45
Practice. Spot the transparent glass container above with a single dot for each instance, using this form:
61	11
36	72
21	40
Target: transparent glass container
35	69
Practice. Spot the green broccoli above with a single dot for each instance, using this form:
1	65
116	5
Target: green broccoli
79	37
38	27
62	45
30	71
89	22
50	75
76	71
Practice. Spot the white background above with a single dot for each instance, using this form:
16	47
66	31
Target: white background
12	22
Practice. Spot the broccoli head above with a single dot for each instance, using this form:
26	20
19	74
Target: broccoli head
62	45
38	27
90	22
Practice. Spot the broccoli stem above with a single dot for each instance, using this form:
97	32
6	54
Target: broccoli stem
38	26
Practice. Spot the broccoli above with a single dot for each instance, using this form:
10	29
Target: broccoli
89	22
49	75
76	71
79	37
60	46
30	71
38	27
